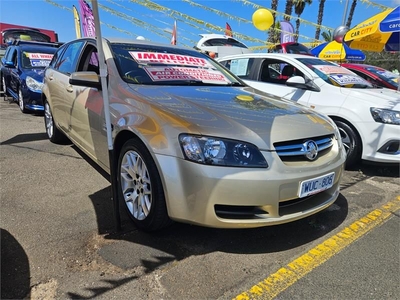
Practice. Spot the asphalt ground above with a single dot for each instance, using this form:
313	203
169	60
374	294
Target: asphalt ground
58	237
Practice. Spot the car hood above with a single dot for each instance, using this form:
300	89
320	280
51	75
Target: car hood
385	98
37	74
237	112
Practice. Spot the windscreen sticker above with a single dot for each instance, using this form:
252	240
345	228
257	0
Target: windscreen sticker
387	74
39	59
169	59
239	66
183	73
332	69
344	79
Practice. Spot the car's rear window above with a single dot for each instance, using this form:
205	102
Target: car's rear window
145	64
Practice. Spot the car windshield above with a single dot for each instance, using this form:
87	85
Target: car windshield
164	65
37	59
385	75
335	74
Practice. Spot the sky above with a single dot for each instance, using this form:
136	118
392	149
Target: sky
132	18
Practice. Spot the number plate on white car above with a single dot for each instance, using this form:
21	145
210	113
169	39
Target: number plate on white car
316	185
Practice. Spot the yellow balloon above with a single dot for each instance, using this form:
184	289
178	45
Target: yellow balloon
262	19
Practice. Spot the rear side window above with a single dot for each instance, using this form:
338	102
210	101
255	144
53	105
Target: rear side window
240	67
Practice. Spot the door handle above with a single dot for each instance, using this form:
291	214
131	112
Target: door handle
51	77
69	89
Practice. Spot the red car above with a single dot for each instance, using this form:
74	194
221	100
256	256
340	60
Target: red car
377	76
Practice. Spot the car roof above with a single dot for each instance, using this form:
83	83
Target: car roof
115	40
268	55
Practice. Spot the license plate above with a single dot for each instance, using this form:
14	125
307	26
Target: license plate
316	185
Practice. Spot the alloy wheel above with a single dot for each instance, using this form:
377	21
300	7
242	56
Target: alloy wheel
136	185
346	140
48	118
21	100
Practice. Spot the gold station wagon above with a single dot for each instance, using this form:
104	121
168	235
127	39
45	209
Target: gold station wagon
194	143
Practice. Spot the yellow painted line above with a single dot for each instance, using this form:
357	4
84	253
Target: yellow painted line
298	268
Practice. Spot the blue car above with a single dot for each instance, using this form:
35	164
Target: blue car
22	70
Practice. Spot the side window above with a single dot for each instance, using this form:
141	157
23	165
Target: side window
89	60
56	57
11	54
68	61
277	71
240	67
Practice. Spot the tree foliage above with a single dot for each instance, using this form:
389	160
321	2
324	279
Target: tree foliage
385	60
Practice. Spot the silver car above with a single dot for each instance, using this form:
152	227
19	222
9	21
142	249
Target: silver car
193	143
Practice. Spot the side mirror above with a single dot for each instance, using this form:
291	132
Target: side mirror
300	83
9	64
89	79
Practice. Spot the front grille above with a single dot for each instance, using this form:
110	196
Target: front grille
296	150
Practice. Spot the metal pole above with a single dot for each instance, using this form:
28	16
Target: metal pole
103	78
345	12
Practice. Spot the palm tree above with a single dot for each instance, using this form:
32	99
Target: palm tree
320	16
272	31
327	36
299	6
288	9
351	13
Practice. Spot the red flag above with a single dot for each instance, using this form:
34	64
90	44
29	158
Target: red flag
173	38
228	30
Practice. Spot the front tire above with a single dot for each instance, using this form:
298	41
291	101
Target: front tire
53	133
140	187
21	101
351	142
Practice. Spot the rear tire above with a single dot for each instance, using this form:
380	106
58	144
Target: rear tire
140	187
351	142
53	133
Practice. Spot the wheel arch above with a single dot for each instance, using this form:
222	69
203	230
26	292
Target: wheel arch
126	135
338	118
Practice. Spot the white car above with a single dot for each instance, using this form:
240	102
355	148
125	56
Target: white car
221	45
367	117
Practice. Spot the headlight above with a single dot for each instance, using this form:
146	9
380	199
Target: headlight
221	152
33	84
386	116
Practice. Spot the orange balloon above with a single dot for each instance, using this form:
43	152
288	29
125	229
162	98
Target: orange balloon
263	19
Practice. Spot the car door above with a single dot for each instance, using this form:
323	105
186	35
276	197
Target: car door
5	71
86	115
15	72
271	77
61	91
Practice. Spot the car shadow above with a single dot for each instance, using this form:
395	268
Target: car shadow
25	137
15	272
179	241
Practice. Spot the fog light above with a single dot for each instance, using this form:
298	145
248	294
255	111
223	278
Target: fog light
391	147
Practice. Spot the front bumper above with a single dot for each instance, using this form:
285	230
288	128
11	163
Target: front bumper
380	141
225	197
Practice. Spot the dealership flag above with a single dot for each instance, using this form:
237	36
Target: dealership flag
88	26
287	31
228	30
173	38
77	22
